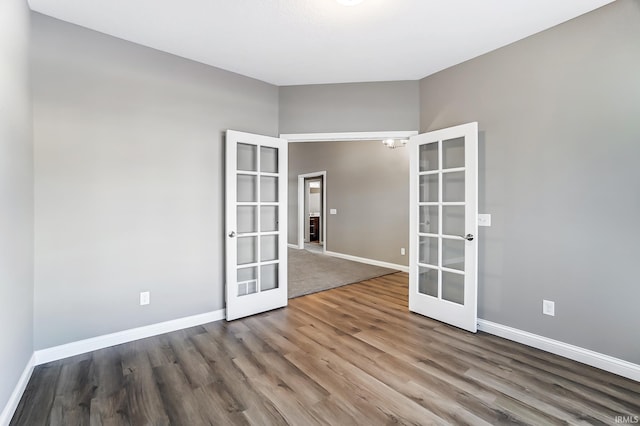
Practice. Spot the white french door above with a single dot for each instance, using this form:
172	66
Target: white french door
256	224
443	225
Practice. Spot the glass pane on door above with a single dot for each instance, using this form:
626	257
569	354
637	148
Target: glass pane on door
429	219
247	157
268	159
453	187
268	189
268	218
247	219
429	188
453	254
453	287
268	248
428	281
428	157
247	250
428	251
269	275
247	188
453	220
453	153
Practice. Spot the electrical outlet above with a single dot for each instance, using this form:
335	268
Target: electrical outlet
403	251
333	211
145	298
549	308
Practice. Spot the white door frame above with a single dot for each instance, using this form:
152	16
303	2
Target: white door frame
333	137
301	212
347	136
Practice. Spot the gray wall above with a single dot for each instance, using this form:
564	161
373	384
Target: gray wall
129	180
559	148
16	197
350	107
368	185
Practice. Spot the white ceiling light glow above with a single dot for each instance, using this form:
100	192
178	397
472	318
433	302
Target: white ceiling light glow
291	42
349	2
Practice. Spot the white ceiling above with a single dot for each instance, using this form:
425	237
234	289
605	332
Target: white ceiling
291	42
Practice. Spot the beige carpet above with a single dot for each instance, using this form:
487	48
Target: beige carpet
311	272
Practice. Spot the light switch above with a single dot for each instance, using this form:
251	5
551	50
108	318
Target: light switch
333	211
549	307
484	220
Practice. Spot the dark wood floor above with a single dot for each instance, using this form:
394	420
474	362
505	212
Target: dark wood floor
352	355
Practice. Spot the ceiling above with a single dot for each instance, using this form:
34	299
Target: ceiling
292	42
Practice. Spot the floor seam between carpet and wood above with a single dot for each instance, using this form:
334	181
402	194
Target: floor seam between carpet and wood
312	272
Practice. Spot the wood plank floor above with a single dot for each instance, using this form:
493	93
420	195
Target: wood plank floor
352	355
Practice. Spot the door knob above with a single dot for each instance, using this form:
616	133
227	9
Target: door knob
468	237
232	234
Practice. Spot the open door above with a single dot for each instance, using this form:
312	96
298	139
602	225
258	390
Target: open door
305	218
443	225
256	224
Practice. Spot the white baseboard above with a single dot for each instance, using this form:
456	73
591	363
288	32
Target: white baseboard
16	395
576	353
55	353
293	246
402	268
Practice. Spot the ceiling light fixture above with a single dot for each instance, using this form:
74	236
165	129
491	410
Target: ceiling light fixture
394	143
349	2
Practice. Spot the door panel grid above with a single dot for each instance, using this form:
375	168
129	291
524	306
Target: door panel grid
256	222
444	224
441	187
257	163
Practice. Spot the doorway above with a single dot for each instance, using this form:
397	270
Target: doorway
442	210
312	218
313	228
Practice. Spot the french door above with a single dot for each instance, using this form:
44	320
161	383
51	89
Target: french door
443	225
256	224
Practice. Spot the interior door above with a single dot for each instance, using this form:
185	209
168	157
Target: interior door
256	224
443	225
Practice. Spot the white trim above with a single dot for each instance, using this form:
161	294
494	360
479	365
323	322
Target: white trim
18	391
347	136
293	246
576	353
402	268
55	353
301	196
